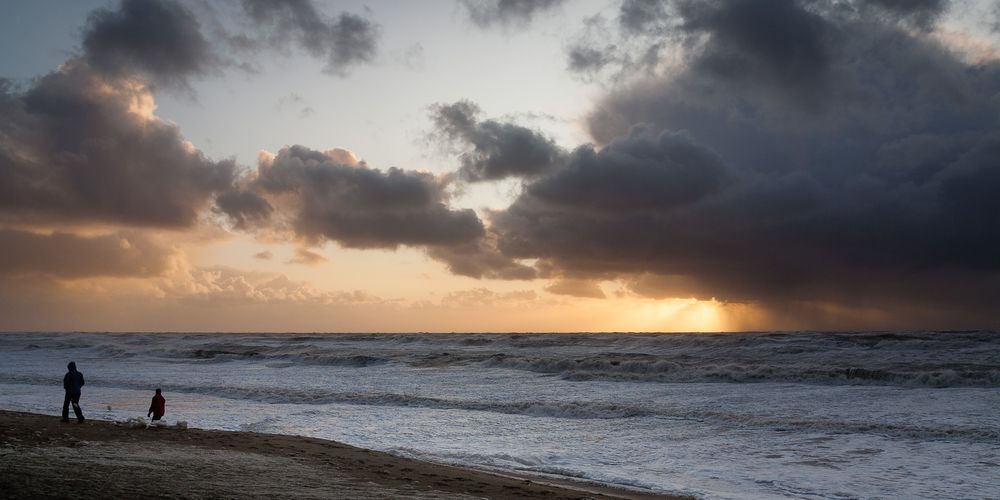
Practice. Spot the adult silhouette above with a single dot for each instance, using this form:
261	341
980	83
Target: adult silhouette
72	383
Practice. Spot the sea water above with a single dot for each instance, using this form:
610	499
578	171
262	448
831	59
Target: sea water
750	415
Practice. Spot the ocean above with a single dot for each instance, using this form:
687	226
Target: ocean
750	415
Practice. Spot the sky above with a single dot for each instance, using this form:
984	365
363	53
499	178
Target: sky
499	165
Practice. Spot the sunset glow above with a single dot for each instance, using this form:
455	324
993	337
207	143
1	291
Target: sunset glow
527	177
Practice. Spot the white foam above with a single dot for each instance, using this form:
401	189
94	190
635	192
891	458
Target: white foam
759	416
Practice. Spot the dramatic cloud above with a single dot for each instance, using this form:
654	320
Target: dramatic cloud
492	150
635	174
481	259
159	39
506	13
610	200
78	145
753	41
809	152
344	41
330	195
749	41
66	256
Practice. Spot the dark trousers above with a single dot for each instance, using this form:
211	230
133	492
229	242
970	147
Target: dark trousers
75	399
157	416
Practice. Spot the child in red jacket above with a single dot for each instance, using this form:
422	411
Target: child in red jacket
158	407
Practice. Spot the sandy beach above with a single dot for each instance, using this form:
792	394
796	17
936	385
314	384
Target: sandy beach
41	457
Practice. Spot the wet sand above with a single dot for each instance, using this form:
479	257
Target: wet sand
41	457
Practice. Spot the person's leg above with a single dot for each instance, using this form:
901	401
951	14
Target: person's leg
65	417
76	408
157	417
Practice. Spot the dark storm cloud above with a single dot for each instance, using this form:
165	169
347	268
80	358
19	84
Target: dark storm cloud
80	146
343	41
506	13
818	154
160	39
66	256
636	173
786	45
329	197
775	41
490	149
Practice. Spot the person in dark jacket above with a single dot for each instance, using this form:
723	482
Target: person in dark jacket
158	407
72	383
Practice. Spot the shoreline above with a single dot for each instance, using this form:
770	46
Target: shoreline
43	457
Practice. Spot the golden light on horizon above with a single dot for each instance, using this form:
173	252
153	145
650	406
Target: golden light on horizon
674	315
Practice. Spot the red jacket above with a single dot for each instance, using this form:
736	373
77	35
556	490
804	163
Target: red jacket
159	406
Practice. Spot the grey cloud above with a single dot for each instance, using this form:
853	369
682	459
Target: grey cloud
506	13
265	255
245	209
923	13
776	41
78	145
490	149
160	39
877	195
643	32
363	207
344	41
589	60
791	48
480	259
877	76
638	16
68	256
636	173
332	196
605	211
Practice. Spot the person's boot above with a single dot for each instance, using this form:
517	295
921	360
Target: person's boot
64	419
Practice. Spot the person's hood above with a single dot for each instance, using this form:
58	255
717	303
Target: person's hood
71	366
